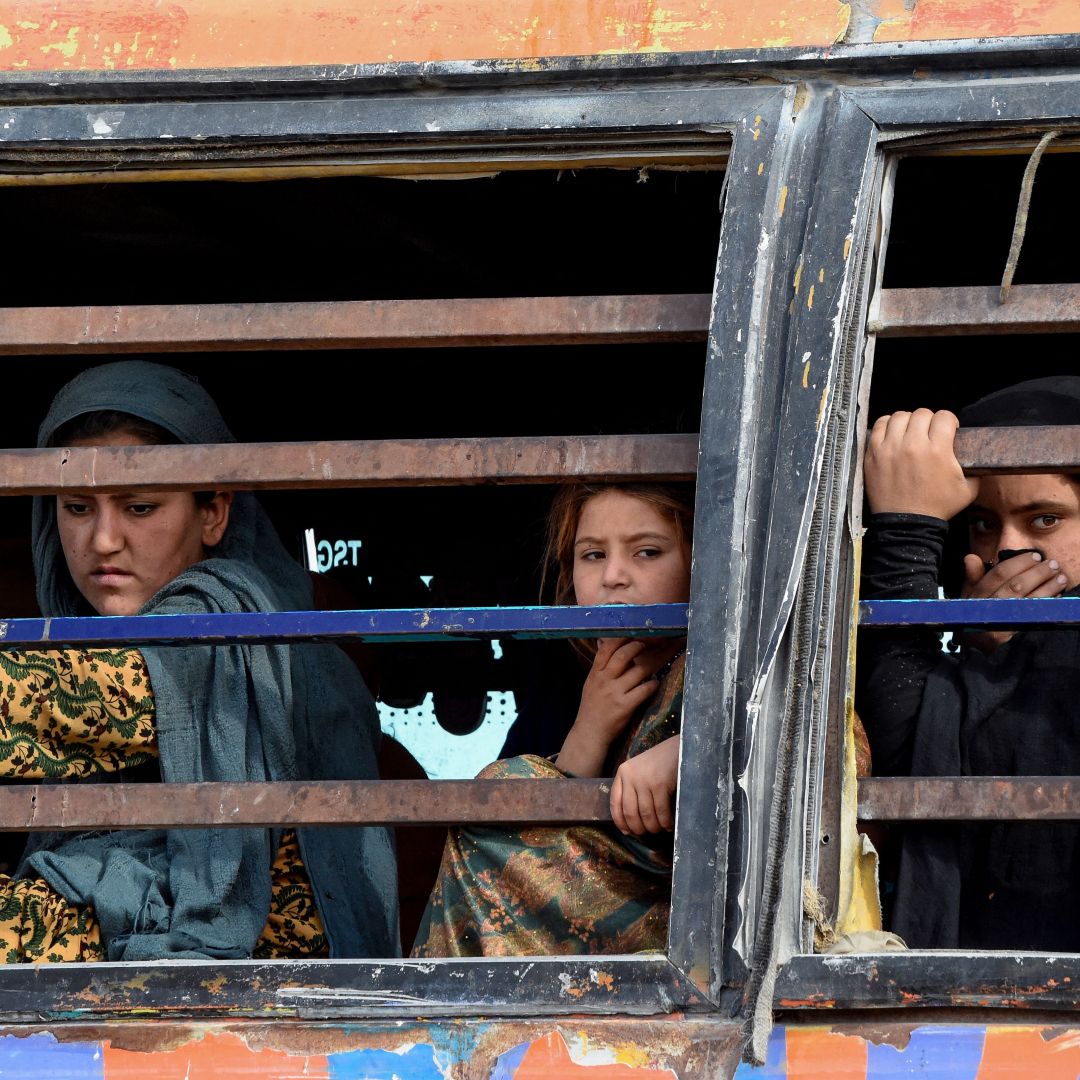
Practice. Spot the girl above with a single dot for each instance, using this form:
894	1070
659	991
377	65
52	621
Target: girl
191	713
584	889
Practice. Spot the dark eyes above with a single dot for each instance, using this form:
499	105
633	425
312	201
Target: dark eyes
981	525
1045	521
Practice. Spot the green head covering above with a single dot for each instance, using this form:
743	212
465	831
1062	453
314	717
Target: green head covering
222	713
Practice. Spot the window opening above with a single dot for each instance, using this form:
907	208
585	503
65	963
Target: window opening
949	231
367	238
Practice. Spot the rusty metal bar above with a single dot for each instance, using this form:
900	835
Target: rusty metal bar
359	324
1018	449
1030	309
71	808
970	798
388	463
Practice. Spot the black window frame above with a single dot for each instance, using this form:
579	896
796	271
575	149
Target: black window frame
808	130
64	118
950	107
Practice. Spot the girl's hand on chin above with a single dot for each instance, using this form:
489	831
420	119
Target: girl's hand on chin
622	679
642	794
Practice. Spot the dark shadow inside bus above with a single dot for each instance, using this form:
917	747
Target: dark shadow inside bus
450	708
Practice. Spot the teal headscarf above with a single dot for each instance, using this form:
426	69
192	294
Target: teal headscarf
222	713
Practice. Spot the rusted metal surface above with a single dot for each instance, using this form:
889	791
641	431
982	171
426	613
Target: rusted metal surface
360	324
376	463
1018	449
609	1048
71	808
970	798
931	979
1030	309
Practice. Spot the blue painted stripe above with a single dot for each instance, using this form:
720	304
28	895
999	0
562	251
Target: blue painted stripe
41	1057
416	1063
937	1052
1045	612
429	624
775	1067
506	1065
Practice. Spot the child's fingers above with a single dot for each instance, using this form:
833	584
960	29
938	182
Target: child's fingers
636	687
647	812
615	803
631	815
665	810
622	657
974	571
942	426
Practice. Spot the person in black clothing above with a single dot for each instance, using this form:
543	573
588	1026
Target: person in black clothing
1006	704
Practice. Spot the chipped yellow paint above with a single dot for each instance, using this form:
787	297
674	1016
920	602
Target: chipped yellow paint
847	246
821	404
810	299
798	277
6	40
67	47
215	985
821	276
756	131
634	1056
783	199
806	376
761	167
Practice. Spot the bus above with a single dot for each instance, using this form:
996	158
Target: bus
434	258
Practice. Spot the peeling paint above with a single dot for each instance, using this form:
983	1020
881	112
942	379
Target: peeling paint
783	200
227	33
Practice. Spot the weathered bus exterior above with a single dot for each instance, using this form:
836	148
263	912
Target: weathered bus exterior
822	80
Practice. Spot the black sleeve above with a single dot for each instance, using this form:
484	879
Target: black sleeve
901	561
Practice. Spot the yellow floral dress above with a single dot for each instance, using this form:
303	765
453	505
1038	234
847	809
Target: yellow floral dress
81	713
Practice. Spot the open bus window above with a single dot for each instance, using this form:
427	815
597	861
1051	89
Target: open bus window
451	707
969	703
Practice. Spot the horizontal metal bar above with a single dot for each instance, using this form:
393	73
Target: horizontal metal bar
1030	309
378	624
372	463
970	798
916	979
1041	612
75	807
355	324
1018	449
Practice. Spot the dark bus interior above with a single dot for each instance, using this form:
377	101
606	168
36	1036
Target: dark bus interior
517	233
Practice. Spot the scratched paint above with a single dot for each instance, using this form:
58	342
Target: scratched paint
141	34
932	1052
226	1056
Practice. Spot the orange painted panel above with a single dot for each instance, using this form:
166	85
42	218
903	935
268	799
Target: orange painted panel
931	19
549	1057
815	1053
213	1056
103	34
1010	1053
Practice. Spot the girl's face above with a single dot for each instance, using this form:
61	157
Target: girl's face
627	552
121	549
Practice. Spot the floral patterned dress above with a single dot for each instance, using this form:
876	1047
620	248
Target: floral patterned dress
556	890
85	714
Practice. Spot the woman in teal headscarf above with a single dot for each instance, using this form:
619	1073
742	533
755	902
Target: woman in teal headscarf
196	713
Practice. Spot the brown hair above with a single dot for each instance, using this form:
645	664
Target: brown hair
674	502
